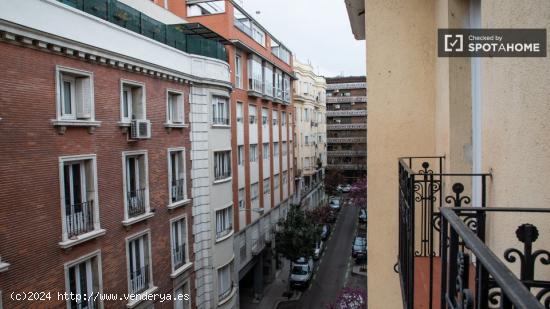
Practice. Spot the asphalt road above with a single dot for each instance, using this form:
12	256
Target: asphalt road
334	267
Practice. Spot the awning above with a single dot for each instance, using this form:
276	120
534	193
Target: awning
203	31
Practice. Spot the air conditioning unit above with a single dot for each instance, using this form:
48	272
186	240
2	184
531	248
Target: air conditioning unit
140	129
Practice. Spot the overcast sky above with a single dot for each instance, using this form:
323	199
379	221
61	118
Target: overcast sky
315	30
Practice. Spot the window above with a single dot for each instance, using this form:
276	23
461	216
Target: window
238	72
206	8
285	178
136	184
222	165
83	279
275	149
225	282
182	297
174	107
224	222
179	243
275	118
283	118
253	152
75	94
239	112
252	114
258	35
242	199
265	115
240	154
278	81
80	210
268	80
176	175
139	265
265	148
220	111
132	101
306	140
254	191
276	180
267	186
255	82
284	150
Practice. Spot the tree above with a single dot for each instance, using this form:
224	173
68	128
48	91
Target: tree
319	214
332	180
350	298
296	235
359	192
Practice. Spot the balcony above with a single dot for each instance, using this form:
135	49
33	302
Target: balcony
191	38
139	280
361	85
136	202
79	218
348	167
350	99
350	113
443	260
178	254
347	153
178	190
346	140
347	126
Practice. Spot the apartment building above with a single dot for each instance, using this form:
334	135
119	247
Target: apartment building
259	120
473	138
98	127
347	126
310	149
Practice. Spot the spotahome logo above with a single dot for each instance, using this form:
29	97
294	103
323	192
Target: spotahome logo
491	43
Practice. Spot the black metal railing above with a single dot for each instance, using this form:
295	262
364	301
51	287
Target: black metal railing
175	35
494	285
136	202
220	120
178	190
83	302
139	280
179	256
220	175
221	233
79	218
423	190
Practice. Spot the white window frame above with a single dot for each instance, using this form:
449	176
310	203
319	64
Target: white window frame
180	108
240	112
187	263
66	242
228	230
152	287
252	116
226	113
254	195
253	155
242	198
185	199
267	185
276	149
131	220
265	116
124	84
276	181
265	149
240	155
96	254
228	293
62	74
238	71
185	287
228	164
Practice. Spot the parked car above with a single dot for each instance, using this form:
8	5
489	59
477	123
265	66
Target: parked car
325	231
319	247
331	218
301	272
334	203
346	188
359	247
362	215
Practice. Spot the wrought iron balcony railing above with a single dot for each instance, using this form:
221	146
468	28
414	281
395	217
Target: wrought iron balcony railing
358	85
178	190
349	112
346	140
354	99
179	256
342	166
347	153
139	280
136	202
347	126
79	218
442	222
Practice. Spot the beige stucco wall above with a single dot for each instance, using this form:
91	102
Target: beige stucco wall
401	71
516	127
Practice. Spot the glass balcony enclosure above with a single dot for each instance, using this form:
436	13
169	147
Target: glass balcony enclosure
205	8
184	37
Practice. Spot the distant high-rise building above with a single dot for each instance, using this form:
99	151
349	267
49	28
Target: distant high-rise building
347	126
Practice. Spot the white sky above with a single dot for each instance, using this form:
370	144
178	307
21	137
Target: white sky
314	30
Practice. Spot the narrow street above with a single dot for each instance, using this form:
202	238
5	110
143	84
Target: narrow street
333	269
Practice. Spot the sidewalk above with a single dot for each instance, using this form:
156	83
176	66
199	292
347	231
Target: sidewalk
273	293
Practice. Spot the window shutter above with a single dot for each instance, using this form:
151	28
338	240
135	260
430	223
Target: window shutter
83	98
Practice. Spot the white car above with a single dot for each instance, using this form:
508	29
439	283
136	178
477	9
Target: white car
301	272
334	203
346	188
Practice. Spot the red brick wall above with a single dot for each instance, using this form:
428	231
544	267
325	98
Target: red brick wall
30	213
